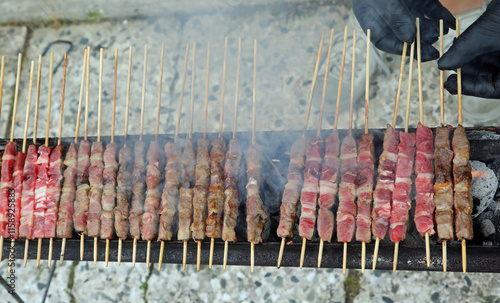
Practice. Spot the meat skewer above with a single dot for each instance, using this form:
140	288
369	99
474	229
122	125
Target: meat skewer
96	174
13	210
54	173
256	214
124	177
8	169
150	217
364	182
424	170
329	173
14	207
462	198
42	176
349	170
109	175
170	194
231	171
215	195
288	218
382	196
401	203
66	208
202	177
139	171
81	205
188	179
28	181
443	187
56	169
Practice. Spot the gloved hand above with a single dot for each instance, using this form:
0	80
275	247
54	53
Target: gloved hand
392	22
477	52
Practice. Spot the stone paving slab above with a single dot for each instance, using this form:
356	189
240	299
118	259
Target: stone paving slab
385	286
282	79
50	10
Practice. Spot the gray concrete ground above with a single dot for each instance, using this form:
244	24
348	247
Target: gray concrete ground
288	34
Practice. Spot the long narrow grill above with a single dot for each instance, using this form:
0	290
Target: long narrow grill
482	251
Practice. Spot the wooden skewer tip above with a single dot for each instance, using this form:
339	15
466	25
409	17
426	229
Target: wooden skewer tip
396	252
226	248
282	249
344	259
160	259
211	258
320	253
303	252
184	254
375	253
198	256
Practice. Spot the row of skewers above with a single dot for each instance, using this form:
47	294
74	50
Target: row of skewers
352	164
103	194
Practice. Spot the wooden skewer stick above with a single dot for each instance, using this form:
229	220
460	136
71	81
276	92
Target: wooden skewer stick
148	250
77	127
49	101
395	116
162	246
441	74
459	98
367	103
125	133
115	75
367	83
186	57
459	86
85	136
318	133
313	86
221	120
398	92
63	89
441	95
254	101
353	68
157	129
421	110
39	78
236	95
28	105
184	249
205	112
185	242
141	128
99	129
412	51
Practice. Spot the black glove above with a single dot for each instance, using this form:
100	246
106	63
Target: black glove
392	22
477	52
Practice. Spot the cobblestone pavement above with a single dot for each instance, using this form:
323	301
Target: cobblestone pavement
287	37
